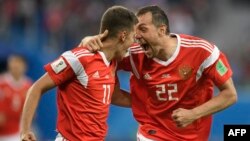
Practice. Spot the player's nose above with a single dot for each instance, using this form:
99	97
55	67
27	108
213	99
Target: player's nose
137	36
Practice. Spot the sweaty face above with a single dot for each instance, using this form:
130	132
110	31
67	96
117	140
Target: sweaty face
147	34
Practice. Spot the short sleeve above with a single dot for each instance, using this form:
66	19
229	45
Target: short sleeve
220	71
59	70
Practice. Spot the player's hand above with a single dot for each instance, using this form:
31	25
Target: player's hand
183	117
29	136
94	43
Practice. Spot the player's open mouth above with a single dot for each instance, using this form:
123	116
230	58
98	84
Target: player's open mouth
145	46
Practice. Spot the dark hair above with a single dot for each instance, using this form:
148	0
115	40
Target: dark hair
117	18
17	56
159	17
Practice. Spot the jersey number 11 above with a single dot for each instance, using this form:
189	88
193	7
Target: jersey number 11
106	94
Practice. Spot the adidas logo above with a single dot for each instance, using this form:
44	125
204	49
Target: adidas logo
147	76
165	76
96	75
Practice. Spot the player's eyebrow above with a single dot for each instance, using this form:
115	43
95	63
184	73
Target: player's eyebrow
142	24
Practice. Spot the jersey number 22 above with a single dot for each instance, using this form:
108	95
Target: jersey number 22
161	92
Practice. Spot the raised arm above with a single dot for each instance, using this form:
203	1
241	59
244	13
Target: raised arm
226	97
33	96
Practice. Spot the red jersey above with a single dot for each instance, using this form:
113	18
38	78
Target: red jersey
12	97
85	85
185	80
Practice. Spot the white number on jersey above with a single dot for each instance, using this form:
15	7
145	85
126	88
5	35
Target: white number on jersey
106	94
161	91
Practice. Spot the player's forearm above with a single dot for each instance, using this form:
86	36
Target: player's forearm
30	105
223	100
121	98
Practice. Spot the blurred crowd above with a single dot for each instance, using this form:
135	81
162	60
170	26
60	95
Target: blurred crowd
43	29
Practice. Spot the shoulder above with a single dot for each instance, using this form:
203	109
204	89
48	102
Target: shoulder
4	77
196	43
81	54
136	49
199	50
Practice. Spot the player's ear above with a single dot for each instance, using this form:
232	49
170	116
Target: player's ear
162	29
123	35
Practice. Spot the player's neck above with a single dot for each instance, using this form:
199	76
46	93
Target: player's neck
16	77
168	46
108	48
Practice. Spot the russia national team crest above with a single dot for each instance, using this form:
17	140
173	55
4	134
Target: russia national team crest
185	72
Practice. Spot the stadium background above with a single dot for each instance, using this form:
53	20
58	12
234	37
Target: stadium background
43	29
